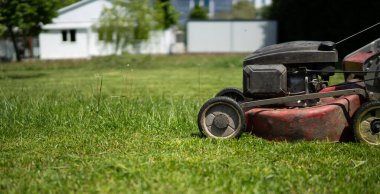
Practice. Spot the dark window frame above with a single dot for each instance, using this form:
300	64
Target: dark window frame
73	35
64	35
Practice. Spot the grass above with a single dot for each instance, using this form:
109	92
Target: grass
127	124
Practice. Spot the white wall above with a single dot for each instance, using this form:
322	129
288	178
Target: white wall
260	3
98	47
52	46
88	45
85	46
208	36
159	42
230	36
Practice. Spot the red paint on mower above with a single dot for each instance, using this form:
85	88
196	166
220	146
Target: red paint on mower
358	58
328	121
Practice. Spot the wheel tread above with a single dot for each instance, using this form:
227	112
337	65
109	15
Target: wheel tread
223	99
358	117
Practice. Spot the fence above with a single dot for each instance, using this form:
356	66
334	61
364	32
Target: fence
229	36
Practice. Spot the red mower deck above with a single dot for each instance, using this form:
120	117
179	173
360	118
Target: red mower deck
328	121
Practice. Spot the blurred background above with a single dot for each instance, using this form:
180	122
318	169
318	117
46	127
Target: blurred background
73	29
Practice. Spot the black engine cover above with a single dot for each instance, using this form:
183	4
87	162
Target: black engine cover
297	52
263	81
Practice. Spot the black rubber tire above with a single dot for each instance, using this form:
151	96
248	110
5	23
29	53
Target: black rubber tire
233	93
358	119
225	108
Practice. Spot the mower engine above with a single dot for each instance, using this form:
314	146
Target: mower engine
288	69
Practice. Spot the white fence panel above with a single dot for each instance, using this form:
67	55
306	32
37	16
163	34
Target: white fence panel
230	36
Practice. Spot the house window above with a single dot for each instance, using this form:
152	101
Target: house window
73	35
66	33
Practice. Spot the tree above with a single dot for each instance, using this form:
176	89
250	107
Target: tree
2	28
326	20
24	18
166	13
128	23
243	10
198	13
64	3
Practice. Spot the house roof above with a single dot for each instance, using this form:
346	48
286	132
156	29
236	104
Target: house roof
74	6
80	15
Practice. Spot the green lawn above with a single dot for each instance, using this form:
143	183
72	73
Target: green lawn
127	124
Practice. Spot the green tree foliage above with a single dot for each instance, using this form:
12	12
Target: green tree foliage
198	13
64	3
166	13
243	10
130	22
2	28
326	20
264	12
24	18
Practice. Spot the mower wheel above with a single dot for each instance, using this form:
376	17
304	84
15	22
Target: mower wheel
233	93
221	118
366	123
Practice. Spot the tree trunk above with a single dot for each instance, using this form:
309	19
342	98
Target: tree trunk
13	37
30	46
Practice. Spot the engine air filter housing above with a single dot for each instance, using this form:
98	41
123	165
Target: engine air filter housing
263	81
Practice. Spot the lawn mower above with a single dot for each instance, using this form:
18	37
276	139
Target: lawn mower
286	96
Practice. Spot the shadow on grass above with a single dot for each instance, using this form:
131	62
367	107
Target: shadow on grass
197	135
22	76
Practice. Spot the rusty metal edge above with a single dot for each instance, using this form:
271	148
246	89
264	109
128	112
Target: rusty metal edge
281	100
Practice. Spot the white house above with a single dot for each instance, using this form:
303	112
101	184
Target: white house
72	34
